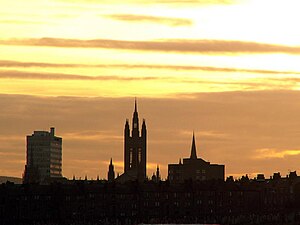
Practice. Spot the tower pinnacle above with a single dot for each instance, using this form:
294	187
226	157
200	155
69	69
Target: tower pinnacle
111	172
193	149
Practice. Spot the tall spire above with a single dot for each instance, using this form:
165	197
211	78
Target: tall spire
111	172
135	121
193	149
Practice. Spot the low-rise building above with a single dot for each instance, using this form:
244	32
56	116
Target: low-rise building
195	168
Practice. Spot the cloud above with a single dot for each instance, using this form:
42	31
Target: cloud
10	63
166	45
9	74
255	84
266	153
18	64
151	19
93	135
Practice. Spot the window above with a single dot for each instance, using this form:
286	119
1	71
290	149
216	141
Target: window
139	155
130	157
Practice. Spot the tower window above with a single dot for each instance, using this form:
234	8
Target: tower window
139	155
130	157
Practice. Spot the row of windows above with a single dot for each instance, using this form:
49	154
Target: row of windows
131	156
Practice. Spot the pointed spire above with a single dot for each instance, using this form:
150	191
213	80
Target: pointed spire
111	172
135	121
193	149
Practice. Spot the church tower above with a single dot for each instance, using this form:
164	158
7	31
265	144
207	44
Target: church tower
135	145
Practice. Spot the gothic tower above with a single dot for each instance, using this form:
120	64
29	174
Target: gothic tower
135	147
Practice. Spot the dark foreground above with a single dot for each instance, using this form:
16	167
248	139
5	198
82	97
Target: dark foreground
99	202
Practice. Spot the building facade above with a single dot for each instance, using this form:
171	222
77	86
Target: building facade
43	157
195	168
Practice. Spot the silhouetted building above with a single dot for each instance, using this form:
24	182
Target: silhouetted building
135	150
195	169
156	176
200	202
260	177
43	157
111	172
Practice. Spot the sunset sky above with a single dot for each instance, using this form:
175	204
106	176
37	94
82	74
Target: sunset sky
227	69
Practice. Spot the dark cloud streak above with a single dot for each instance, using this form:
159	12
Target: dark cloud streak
5	74
15	64
170	45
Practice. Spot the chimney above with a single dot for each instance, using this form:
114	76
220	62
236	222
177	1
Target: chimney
52	131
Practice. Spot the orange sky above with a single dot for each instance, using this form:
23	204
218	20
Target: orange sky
227	69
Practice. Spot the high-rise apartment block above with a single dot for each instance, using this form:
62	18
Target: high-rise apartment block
44	157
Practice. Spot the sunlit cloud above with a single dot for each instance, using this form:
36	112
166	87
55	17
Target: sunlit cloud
183	46
204	134
267	153
151	19
93	135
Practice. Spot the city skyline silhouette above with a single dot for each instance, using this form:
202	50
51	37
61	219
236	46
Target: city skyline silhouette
116	152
